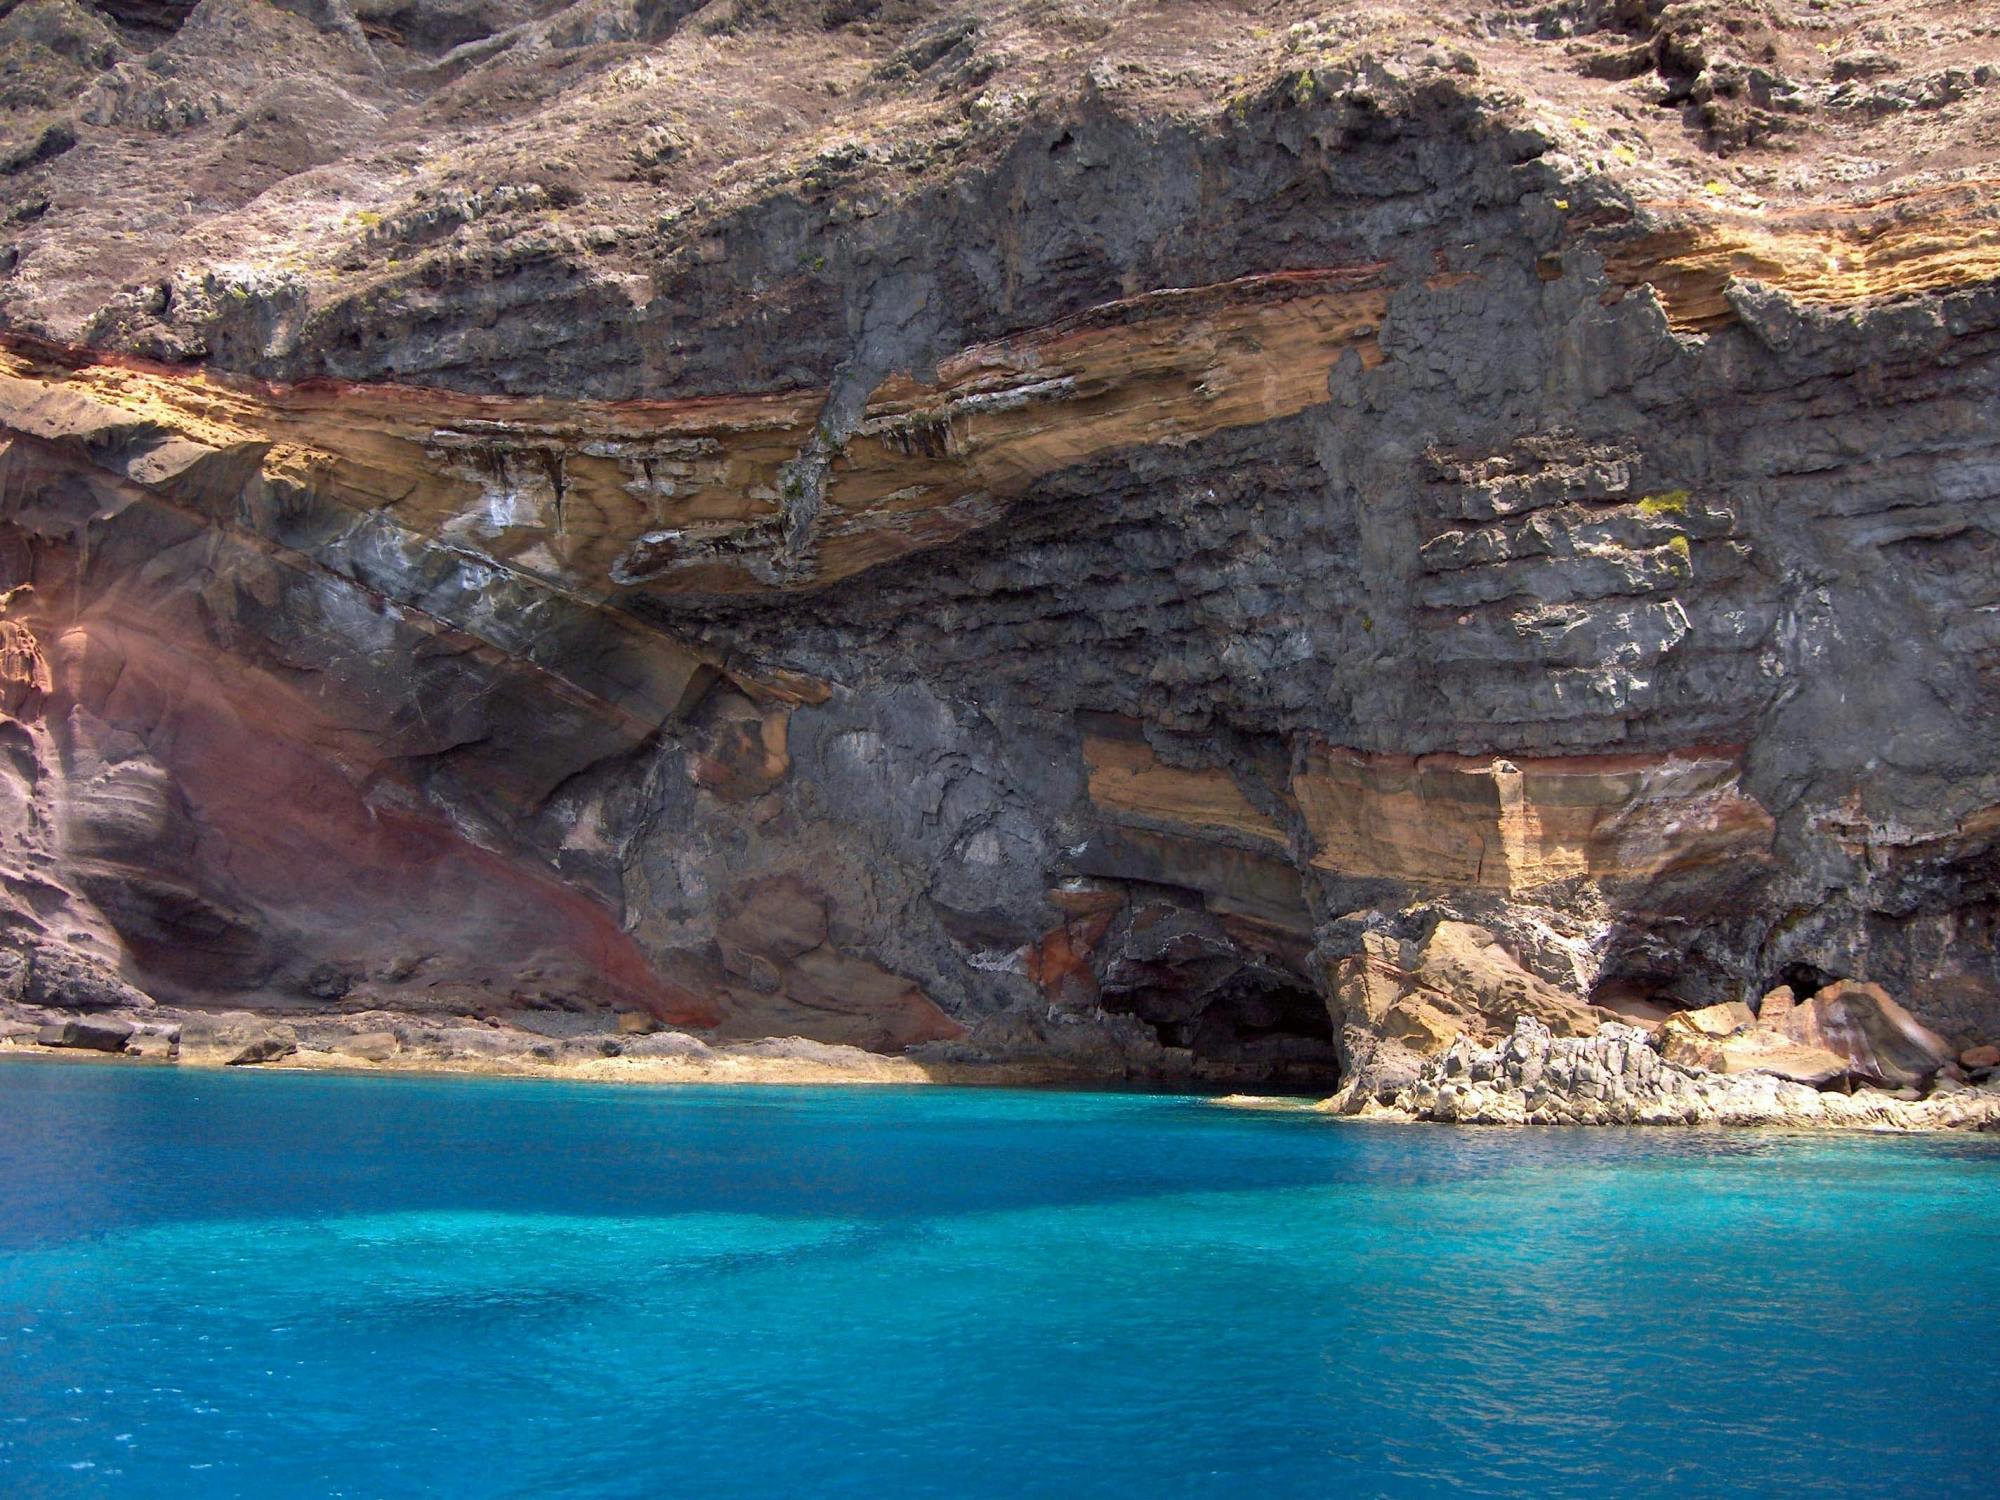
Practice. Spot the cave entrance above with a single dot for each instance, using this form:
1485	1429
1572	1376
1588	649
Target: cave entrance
1256	1027
1806	980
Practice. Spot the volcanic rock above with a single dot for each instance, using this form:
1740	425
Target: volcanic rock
1716	1020
1776	1004
1400	1003
1614	1078
95	1033
234	1039
1201	550
368	1046
1759	1051
158	1043
1881	1041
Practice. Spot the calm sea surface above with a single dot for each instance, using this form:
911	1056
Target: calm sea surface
269	1285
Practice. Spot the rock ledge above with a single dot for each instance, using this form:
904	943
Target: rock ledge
1533	1077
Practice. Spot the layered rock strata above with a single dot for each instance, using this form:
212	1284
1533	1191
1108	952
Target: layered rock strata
1026	538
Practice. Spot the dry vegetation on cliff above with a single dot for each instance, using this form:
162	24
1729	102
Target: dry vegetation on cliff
340	166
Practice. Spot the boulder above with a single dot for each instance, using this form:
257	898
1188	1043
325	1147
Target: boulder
367	1046
92	1033
235	1039
1689	1046
1468	964
1718	1020
1375	992
480	1044
1979	1058
1776	1004
1758	1051
1693	1038
1647	1015
1396	1004
1423	1022
669	1044
1883	1043
1728	1039
63	979
159	1043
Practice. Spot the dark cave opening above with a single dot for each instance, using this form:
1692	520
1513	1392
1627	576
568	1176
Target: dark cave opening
1255	1026
1805	979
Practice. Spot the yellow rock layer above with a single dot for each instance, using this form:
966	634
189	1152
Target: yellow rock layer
1510	826
1127	779
1448	821
688	496
691	496
1930	241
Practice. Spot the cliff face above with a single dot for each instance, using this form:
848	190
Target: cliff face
1169	539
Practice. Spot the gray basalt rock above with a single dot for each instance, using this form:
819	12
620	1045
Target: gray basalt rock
234	1039
1616	1078
157	1043
64	979
1218	551
94	1033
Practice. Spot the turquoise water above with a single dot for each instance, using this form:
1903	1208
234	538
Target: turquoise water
273	1285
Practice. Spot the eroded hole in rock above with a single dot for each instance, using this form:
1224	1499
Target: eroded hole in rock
1268	1023
1239	1004
1806	980
1253	1026
159	17
430	29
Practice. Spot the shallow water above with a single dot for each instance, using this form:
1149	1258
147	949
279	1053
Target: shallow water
293	1284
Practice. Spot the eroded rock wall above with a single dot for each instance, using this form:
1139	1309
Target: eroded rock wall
1244	591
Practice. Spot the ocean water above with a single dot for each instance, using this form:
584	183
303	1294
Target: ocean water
271	1285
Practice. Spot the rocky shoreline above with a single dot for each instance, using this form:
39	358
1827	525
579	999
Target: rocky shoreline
391	1042
1621	1076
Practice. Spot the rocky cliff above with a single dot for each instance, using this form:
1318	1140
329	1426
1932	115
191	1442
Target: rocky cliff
1243	541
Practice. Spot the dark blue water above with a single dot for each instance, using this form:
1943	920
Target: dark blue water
273	1285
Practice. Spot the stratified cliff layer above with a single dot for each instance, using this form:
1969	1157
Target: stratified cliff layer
1178	540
